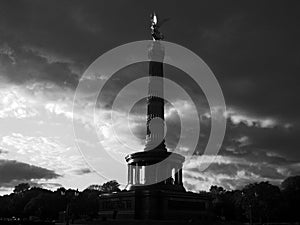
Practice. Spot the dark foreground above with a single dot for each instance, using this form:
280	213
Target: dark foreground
137	222
155	222
120	222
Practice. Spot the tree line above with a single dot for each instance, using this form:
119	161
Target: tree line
255	203
34	202
259	202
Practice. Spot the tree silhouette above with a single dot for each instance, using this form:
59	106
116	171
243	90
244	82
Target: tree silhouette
257	202
21	188
111	186
291	194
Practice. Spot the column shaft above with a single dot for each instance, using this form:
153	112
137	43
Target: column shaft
128	174
137	174
180	176
176	175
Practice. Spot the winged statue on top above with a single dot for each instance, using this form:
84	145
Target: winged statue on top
155	25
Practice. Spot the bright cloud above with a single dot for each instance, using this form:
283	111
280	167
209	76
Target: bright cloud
14	103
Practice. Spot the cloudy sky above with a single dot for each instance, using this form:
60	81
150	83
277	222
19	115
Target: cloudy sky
45	47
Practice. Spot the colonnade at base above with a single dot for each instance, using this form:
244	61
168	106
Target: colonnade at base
159	169
157	173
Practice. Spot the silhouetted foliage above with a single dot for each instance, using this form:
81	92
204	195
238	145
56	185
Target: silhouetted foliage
258	202
44	204
111	186
108	187
291	195
21	188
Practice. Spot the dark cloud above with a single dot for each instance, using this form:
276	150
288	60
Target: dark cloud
234	173
13	172
261	153
2	151
257	63
26	66
279	141
251	46
83	171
